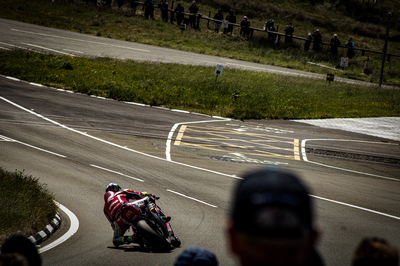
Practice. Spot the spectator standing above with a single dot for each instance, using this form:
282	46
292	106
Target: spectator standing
120	4
196	256
350	48
271	221
317	36
308	42
218	16
193	9
231	18
179	9
149	9
335	43
245	27
374	251
164	10
269	26
289	29
134	6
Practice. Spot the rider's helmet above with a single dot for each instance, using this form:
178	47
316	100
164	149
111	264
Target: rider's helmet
113	187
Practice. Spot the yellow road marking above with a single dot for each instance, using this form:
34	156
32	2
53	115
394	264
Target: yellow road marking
296	149
180	135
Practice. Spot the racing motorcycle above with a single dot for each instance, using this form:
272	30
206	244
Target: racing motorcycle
151	228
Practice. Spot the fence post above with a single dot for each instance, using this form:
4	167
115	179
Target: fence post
198	21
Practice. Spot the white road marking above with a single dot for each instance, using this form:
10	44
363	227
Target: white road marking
118	173
35	84
304	155
79	40
13	78
180	111
356	207
45	48
31	146
182	164
71	231
78	52
16	46
114	144
171	133
180	194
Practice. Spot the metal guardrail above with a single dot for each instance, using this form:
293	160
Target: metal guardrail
277	34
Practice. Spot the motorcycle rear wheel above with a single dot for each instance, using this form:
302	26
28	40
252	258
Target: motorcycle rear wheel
153	235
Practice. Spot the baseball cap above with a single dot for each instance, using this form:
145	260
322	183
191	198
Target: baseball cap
196	256
272	203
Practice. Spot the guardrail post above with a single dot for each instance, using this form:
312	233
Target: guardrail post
363	52
208	22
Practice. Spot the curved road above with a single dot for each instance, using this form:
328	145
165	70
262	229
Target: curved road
77	144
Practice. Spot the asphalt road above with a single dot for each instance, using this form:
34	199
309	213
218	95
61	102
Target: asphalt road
77	144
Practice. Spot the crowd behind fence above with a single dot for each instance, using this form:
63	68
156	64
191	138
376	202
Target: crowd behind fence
276	36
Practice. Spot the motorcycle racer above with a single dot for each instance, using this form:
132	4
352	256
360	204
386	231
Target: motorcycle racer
122	208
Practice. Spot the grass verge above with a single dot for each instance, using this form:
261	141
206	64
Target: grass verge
25	205
237	94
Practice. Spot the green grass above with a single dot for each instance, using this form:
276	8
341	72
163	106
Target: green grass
236	94
330	17
25	205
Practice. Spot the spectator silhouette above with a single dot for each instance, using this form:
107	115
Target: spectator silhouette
335	43
195	256
134	6
350	48
245	27
193	9
231	18
308	42
120	4
179	9
289	29
20	244
149	9
375	251
317	36
271	221
269	26
218	16
164	10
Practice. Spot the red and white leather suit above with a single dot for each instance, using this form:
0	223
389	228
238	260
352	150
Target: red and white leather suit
123	208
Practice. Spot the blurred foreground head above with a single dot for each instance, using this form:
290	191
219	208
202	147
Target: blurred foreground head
271	220
196	256
21	245
375	252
